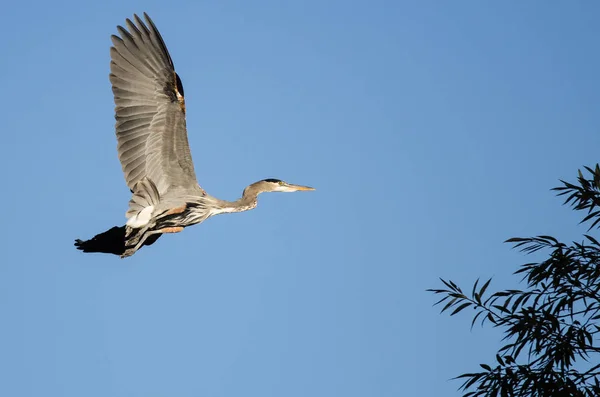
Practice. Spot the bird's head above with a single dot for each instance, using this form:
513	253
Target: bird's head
272	185
276	185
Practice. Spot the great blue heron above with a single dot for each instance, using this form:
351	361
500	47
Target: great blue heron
153	148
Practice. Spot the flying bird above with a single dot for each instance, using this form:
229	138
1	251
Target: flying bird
153	147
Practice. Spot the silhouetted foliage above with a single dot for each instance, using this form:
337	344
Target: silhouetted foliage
551	328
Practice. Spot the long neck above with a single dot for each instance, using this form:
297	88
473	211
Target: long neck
247	202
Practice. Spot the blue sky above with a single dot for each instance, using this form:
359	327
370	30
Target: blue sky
432	132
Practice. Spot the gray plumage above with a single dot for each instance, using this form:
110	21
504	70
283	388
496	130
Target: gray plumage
153	147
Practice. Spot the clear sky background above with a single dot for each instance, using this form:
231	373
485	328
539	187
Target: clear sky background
432	130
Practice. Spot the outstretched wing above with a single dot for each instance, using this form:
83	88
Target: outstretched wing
150	109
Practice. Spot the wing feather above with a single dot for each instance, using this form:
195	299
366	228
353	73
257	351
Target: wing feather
149	109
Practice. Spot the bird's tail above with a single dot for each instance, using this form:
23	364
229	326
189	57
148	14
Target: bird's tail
111	241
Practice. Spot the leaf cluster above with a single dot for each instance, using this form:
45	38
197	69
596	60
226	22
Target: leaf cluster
551	328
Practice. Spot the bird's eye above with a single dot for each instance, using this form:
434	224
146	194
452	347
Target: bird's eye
281	183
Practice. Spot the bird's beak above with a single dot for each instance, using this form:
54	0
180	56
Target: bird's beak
300	187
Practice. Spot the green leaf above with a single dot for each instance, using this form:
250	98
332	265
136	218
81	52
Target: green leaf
501	308
475	319
441	300
449	304
474	287
499	359
461	307
449	284
482	290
